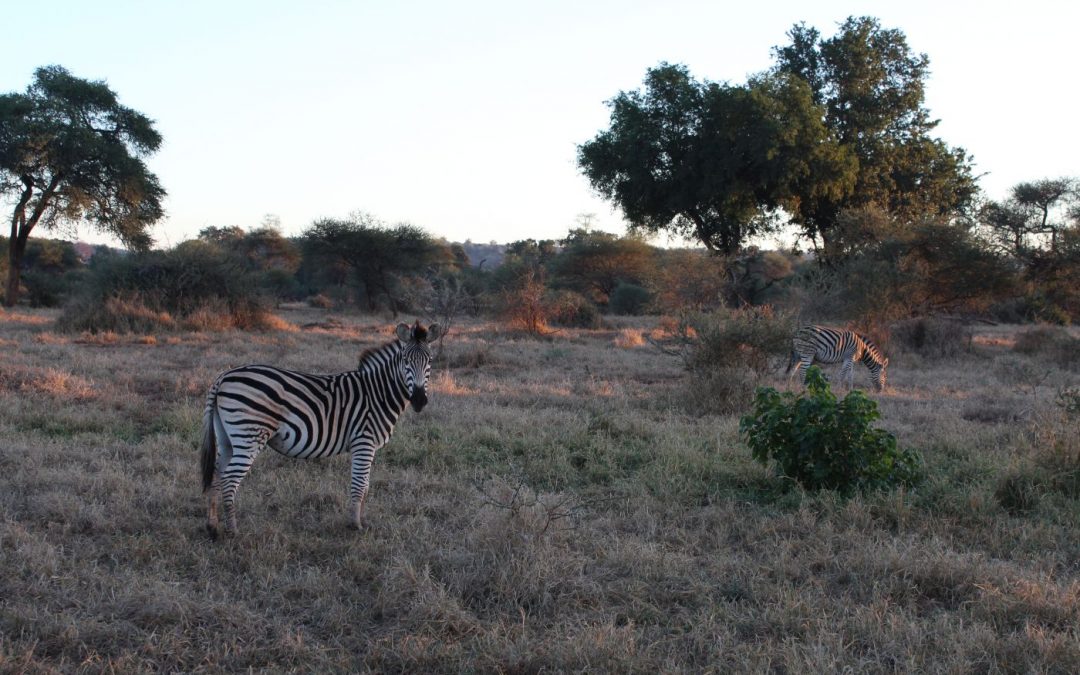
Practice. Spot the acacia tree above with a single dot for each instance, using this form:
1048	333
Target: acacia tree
710	161
69	152
1040	207
377	255
595	263
870	86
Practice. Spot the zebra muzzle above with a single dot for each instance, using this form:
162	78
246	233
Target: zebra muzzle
418	399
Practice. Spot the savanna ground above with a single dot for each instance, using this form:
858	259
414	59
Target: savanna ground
561	505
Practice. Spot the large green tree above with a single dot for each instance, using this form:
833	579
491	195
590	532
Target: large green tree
710	161
69	152
870	86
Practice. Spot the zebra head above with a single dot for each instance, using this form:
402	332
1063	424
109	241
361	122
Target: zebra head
880	376
415	363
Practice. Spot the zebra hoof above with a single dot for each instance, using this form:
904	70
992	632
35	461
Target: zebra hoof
212	531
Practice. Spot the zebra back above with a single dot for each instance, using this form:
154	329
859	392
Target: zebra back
829	345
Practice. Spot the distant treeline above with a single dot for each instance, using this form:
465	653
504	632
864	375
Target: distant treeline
1018	260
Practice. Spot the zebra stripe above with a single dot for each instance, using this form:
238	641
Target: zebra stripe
822	344
309	416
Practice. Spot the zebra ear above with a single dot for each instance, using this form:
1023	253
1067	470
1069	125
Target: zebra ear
403	332
434	332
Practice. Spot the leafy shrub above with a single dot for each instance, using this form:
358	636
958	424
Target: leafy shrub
728	353
190	286
629	299
824	443
932	338
571	309
523	305
46	289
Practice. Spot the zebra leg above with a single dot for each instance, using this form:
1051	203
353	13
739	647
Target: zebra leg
363	453
222	455
792	367
238	466
804	367
847	371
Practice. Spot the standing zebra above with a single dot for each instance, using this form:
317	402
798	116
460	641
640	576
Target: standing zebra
836	345
304	416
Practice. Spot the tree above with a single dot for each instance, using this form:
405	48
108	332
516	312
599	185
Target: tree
594	263
712	162
870	86
69	152
272	259
1041	197
1034	208
376	254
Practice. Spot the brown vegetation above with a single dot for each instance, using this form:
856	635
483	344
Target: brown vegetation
561	505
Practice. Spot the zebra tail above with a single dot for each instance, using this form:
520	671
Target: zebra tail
208	456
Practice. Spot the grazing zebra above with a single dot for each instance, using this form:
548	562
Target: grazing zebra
835	345
304	416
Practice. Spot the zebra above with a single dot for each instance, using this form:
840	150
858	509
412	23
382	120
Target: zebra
303	416
835	345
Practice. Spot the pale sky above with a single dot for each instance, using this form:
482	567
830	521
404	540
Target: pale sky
464	117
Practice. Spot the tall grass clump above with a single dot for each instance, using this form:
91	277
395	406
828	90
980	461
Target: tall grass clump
824	443
192	286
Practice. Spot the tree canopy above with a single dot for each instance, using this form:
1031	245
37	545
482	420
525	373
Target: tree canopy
376	255
70	152
871	86
711	161
1034	209
595	263
837	123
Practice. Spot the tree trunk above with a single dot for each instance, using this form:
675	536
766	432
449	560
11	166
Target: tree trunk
17	242
12	291
20	231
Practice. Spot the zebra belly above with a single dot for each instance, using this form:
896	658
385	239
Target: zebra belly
324	443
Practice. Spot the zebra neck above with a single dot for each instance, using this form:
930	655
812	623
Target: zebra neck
379	368
379	359
870	357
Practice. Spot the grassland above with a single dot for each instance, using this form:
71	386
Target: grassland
561	505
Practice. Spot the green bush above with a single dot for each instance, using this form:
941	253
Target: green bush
629	299
572	310
824	443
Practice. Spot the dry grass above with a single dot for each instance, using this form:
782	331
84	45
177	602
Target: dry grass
557	507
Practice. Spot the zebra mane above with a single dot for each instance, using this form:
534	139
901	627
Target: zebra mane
374	357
